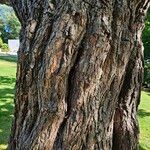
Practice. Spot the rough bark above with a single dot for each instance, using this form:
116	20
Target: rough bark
126	128
72	69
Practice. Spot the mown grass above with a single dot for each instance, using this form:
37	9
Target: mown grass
144	121
7	83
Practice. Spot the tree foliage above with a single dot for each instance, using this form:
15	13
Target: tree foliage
147	73
146	42
3	46
9	24
146	37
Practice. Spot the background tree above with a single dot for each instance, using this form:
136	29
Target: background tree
146	42
146	37
79	74
9	24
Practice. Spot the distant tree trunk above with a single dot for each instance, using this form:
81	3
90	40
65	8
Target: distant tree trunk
78	75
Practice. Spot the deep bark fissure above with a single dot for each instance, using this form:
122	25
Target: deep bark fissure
93	5
77	55
126	137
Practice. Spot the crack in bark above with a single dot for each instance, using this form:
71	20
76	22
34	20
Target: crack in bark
77	55
92	5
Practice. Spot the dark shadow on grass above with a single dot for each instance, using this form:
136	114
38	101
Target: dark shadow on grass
6	107
148	94
9	58
6	112
7	80
6	93
142	113
6	116
141	148
147	90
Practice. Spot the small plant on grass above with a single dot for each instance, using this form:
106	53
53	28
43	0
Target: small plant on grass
5	47
1	42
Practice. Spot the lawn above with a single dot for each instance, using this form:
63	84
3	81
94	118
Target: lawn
144	120
7	83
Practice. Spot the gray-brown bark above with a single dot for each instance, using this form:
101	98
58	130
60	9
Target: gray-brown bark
71	71
126	129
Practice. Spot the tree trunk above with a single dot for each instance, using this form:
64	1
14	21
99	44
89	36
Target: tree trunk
126	129
75	58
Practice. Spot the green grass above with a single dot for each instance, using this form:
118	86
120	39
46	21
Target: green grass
9	58
144	120
7	83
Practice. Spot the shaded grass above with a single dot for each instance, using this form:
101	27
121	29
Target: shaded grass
9	58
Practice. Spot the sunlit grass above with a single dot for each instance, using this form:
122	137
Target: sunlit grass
3	146
144	120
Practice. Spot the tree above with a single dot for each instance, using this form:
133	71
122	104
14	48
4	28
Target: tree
146	37
9	24
79	74
146	42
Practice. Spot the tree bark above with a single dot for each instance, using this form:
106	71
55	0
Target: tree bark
73	64
126	129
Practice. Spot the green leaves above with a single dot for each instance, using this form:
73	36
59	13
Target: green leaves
146	42
9	24
146	37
